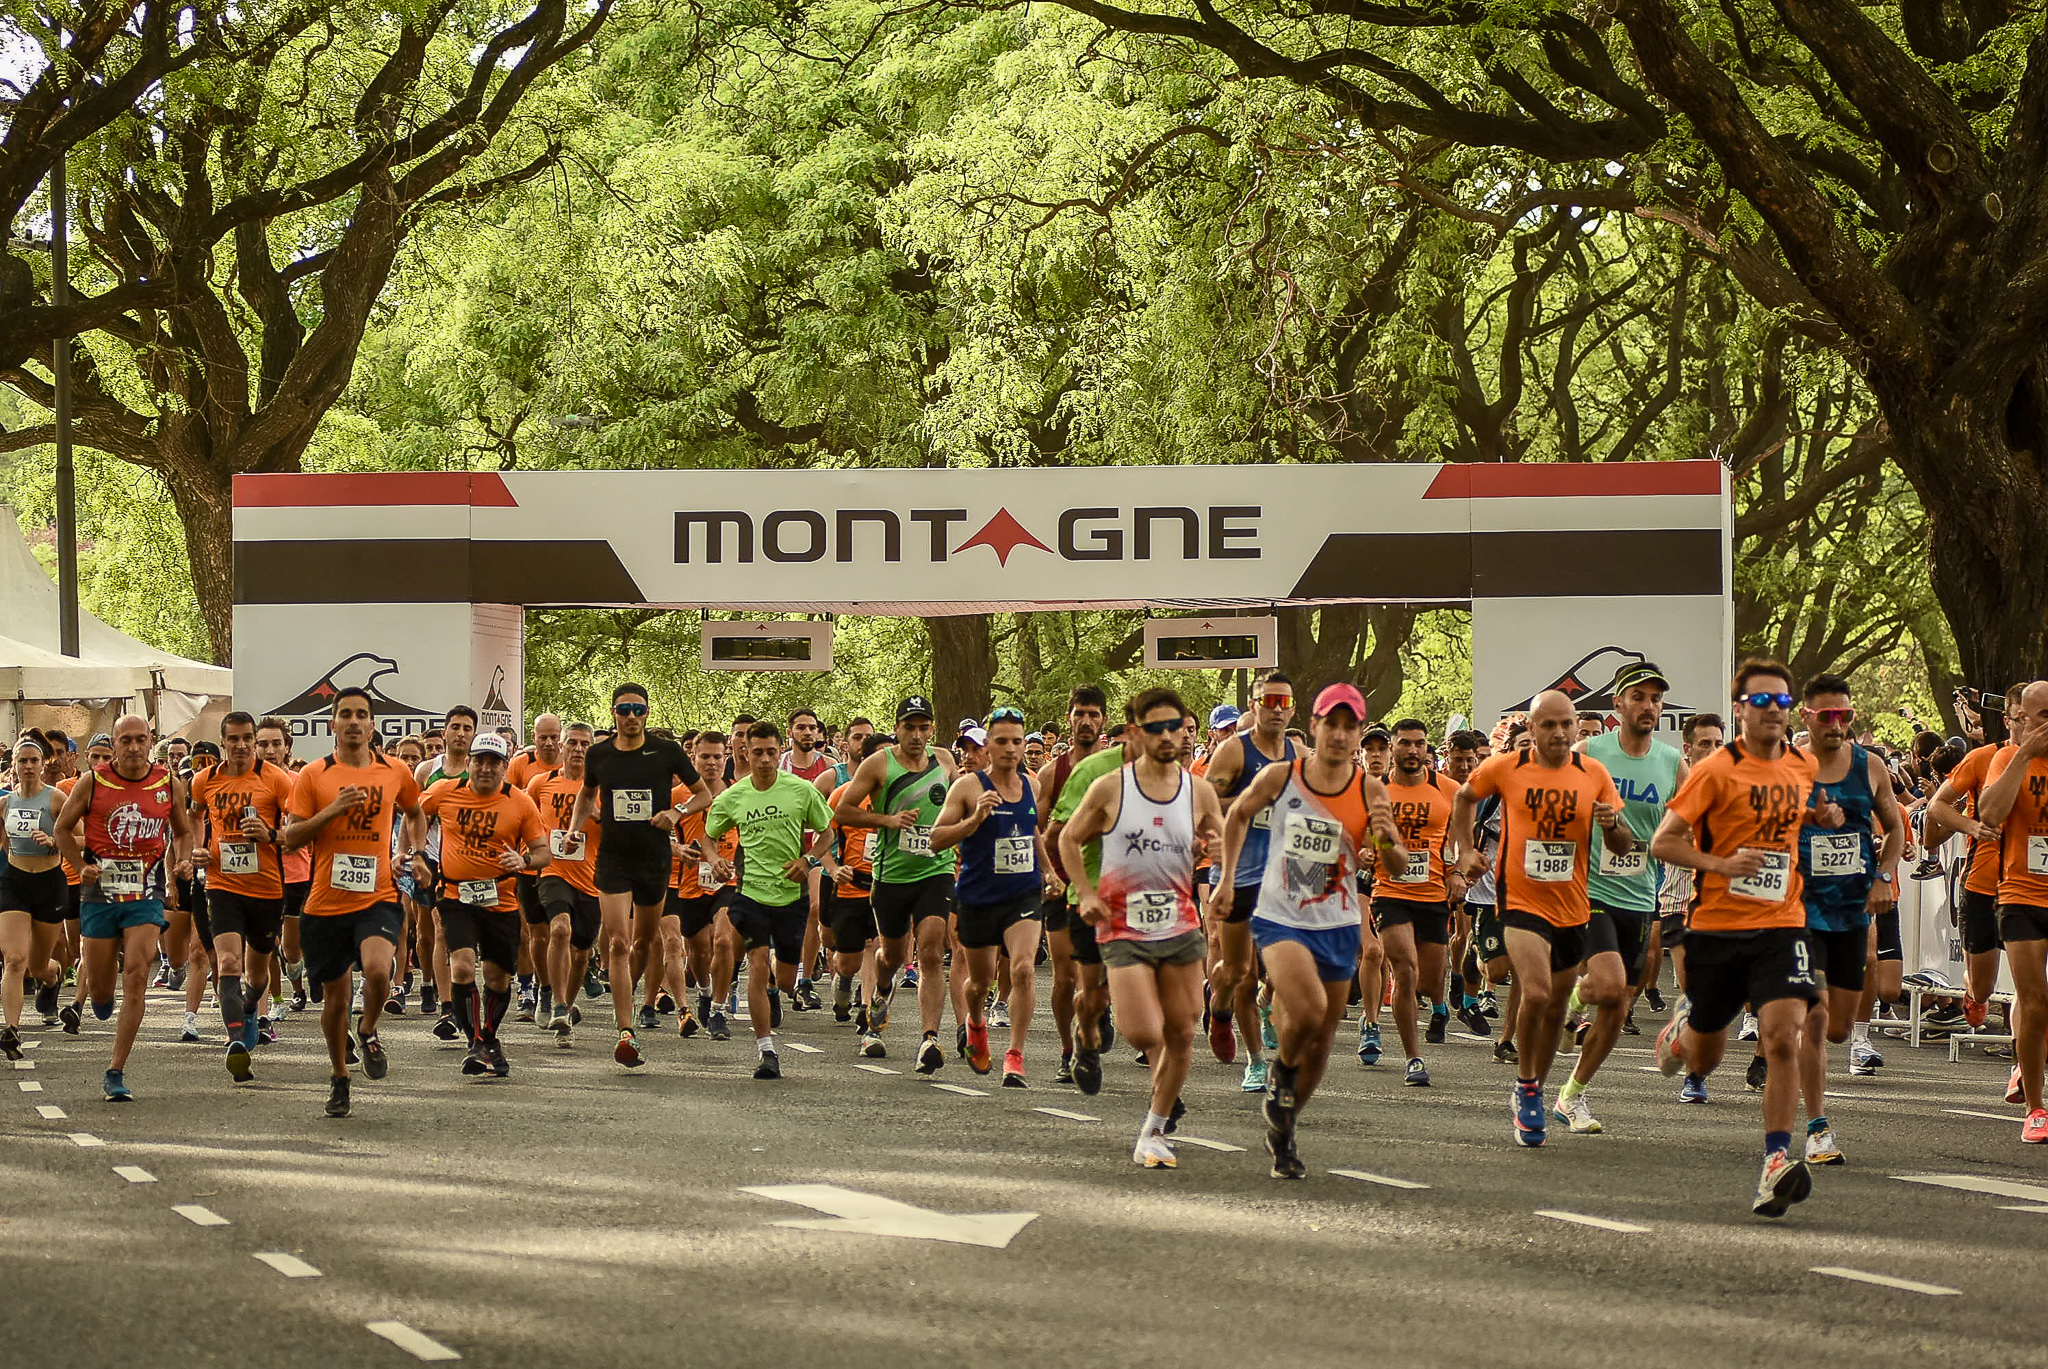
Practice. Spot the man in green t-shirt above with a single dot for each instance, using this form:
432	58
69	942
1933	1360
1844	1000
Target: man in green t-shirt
1092	1001
773	810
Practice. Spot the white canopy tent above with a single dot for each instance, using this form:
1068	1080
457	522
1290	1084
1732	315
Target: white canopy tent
113	672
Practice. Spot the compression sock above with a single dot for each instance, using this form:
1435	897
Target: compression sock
231	1001
496	1001
464	1009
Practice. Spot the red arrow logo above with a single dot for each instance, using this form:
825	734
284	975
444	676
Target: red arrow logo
1002	534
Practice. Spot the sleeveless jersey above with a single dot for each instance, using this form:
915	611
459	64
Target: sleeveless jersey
905	857
1629	882
999	859
1257	837
1148	865
1062	768
24	816
820	763
1840	863
1423	813
128	829
1311	873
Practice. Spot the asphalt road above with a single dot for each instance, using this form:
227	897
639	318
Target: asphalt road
574	1214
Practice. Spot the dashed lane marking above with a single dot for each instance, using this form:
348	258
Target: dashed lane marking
1070	1116
801	1049
1971	1183
1932	1290
963	1092
30	1086
411	1341
1385	1179
877	1069
291	1266
1992	1116
199	1216
135	1174
85	1140
1582	1219
1203	1143
50	1112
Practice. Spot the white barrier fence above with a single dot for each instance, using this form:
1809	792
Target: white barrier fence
1932	941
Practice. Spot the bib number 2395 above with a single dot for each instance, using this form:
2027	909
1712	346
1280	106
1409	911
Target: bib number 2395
354	874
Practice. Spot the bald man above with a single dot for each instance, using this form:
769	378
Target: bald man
1552	799
135	823
542	758
2013	803
544	755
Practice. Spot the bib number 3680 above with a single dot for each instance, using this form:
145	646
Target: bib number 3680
1310	839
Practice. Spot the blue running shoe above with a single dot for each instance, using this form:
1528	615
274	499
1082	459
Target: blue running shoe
1693	1090
1270	1037
1368	1043
117	1088
909	980
1530	1117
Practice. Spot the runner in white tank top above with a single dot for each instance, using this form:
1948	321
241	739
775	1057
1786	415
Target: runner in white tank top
1149	818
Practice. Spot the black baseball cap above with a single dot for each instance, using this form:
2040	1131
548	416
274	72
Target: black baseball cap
916	706
1377	732
1638	672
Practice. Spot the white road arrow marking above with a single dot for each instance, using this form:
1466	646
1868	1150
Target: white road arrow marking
1970	1183
872	1215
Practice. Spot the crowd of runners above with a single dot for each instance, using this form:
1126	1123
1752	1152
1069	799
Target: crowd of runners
1241	881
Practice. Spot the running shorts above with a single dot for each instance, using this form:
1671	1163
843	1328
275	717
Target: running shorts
900	907
1186	949
1487	940
1891	943
852	921
39	893
1335	949
1979	919
2020	922
330	944
1622	931
107	921
295	896
558	897
1842	957
1725	970
1431	921
641	870
256	920
493	935
763	924
983	925
1568	945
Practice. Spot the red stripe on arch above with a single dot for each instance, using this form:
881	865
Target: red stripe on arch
1575	479
380	490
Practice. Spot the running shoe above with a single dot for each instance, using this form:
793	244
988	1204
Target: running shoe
500	1066
664	1002
375	1063
909	977
1065	1073
1268	1038
872	1048
1280	1097
395	1003
348	1044
191	1031
116	1088
878	1012
960	1039
529	1004
1013	1069
46	1001
477	1060
1669	1057
1255	1073
648	1018
558	1021
238	1061
1748	1032
1286	1164
1438	1020
1784	1181
2013	1092
1473	1020
1974	1012
70	1017
1628	1024
1504	1053
1654	998
1153	1153
1945	1020
842	1004
1488	1004
1180	1110
1222	1038
430	1000
1088	1071
1417	1076
931	1058
10	1043
1821	1148
977	1047
2034	1131
686	1024
337	1098
1758	1074
1864	1058
1928	868
1105	1029
1141	1060
1693	1090
770	1066
999	1013
704	1005
593	987
1368	1043
1526	1100
627	1052
1574	1112
266	1034
445	1028
718	1030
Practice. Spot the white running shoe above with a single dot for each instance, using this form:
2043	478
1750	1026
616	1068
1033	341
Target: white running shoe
1153	1153
1822	1150
1864	1058
1581	1118
1748	1032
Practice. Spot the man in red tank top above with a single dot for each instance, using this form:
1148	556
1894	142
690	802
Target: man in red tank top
135	816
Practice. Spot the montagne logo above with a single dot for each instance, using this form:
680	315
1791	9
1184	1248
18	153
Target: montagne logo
1589	684
310	712
1218	532
496	712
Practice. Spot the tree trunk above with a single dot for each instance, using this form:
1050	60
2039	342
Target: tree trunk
205	503
1380	677
1320	646
1030	662
963	669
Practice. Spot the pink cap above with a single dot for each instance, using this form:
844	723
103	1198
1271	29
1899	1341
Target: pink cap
1340	696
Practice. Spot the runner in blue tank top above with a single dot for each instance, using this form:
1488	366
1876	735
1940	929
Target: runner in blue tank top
1260	740
992	816
1849	878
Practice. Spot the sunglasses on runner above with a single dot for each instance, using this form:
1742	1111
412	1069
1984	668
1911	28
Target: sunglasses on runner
1159	727
1767	700
1004	715
630	710
1276	700
1831	717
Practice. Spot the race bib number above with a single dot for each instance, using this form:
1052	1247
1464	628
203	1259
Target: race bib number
1416	871
22	823
1618	866
354	874
122	878
1263	819
564	845
869	843
1016	855
1839	853
478	893
1154	910
707	875
915	841
1549	862
632	805
1311	839
2037	855
238	857
1771	882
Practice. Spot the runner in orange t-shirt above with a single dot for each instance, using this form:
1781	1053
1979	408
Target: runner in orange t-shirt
274	747
343	808
567	890
489	835
698	897
1551	799
2016	803
1736	821
1977	915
